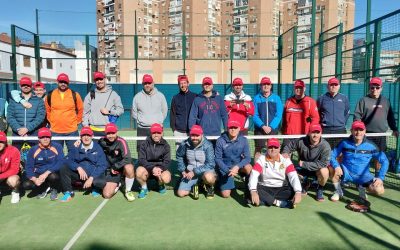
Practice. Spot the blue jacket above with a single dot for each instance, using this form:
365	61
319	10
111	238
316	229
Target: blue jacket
357	158
180	109
333	111
41	159
231	153
93	161
267	111
20	117
197	159
209	113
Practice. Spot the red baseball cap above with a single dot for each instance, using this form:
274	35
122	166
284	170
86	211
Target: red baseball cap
147	79
39	85
207	81
25	81
265	81
3	137
273	142
358	125
98	75
333	80
44	132
315	127
86	131
196	130
375	81
63	78
233	123
111	128
299	83
156	128
237	81
182	78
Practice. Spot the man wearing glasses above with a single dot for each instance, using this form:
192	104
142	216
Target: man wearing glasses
64	109
375	111
25	121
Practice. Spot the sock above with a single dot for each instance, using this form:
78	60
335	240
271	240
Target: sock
338	188
362	192
277	203
129	184
144	186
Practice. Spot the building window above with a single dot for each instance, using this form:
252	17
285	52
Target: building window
27	61
50	63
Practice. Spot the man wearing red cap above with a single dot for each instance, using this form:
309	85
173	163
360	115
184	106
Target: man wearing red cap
377	114
357	154
268	179
180	109
300	112
9	167
43	165
208	110
314	154
267	114
87	163
232	156
149	106
23	121
64	110
334	110
196	161
239	105
101	105
154	160
120	163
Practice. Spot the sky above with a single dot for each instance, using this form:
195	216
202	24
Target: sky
79	16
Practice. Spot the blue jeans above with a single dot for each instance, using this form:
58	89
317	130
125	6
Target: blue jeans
69	143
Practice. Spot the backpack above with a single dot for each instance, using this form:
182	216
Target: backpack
3	120
73	96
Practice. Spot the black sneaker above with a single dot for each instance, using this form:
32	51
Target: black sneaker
195	192
209	191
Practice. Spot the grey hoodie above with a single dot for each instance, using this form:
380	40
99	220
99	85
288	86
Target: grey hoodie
91	107
149	108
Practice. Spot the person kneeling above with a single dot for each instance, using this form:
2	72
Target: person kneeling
267	182
154	160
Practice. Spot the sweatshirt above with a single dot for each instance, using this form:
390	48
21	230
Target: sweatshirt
268	111
117	152
149	108
333	110
9	161
180	110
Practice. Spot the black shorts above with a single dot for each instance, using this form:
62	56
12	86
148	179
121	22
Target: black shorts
305	172
109	177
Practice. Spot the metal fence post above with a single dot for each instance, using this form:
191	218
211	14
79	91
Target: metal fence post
312	56
320	58
14	53
339	48
294	53
37	56
280	65
377	48
87	62
231	55
184	52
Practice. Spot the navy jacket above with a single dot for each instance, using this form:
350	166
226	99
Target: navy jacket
93	161
180	109
333	111
210	113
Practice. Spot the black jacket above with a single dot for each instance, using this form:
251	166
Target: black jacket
154	154
117	152
180	109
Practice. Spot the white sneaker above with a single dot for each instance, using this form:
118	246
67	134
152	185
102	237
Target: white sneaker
362	193
14	197
336	196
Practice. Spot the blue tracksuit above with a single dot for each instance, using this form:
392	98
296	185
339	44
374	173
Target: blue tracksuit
267	111
334	111
356	160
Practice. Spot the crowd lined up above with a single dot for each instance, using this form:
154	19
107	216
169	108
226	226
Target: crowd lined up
105	166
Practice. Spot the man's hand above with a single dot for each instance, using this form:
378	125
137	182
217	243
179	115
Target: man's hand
286	155
36	181
246	105
88	183
189	175
377	183
297	198
300	163
22	131
43	176
82	174
27	105
114	171
157	171
255	199
267	129
77	143
338	171
104	111
233	171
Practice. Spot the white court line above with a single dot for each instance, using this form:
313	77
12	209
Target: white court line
72	241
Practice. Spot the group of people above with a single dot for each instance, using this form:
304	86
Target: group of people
101	166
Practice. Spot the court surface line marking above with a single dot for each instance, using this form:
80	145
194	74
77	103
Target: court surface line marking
72	241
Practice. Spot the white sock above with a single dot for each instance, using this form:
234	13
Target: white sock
128	184
144	186
277	203
338	188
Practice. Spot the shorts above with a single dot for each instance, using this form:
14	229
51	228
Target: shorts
116	178
187	185
305	172
364	180
380	141
226	182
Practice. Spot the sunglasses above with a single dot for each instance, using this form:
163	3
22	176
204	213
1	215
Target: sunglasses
374	87
63	82
25	85
45	137
147	83
272	147
334	84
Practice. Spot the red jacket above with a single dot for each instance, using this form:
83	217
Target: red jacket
238	111
9	162
299	115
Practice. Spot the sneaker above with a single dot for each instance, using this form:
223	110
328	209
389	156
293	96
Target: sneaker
209	191
305	187
67	196
143	193
41	195
53	195
15	197
95	194
129	196
320	195
195	192
362	193
286	204
336	196
162	189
